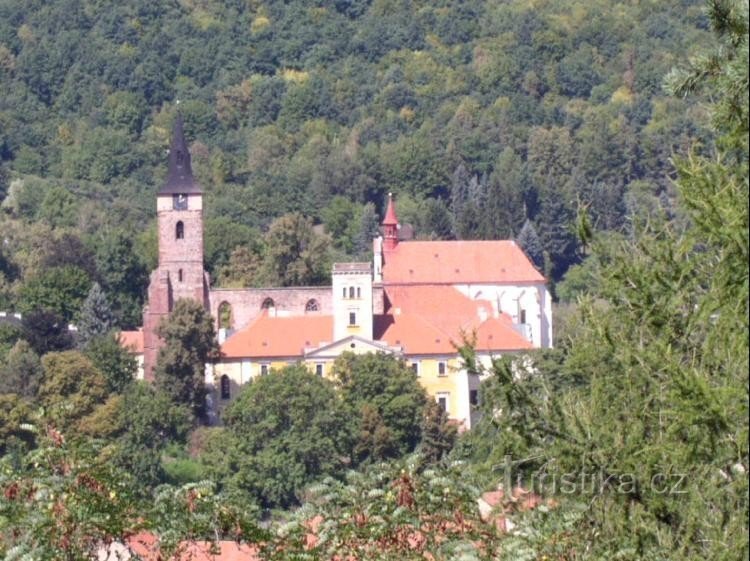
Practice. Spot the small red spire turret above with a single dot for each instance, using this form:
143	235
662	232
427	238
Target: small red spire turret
390	226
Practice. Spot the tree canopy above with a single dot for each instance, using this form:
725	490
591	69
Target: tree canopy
289	428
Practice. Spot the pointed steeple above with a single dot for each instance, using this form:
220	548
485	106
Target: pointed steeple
390	212
180	175
390	226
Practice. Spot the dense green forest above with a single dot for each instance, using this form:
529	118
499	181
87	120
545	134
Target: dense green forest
478	115
609	138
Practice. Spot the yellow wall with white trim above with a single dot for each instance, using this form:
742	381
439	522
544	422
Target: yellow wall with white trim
453	382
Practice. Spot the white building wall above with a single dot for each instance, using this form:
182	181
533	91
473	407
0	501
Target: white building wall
462	398
352	293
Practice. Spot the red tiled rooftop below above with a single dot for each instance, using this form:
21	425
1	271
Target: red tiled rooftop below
132	340
413	333
146	547
269	337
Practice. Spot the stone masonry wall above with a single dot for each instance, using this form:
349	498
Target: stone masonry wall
247	303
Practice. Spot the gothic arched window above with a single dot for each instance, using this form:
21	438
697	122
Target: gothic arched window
225	389
312	305
179	231
225	315
268	303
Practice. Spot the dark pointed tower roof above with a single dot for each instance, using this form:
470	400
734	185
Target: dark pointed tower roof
180	176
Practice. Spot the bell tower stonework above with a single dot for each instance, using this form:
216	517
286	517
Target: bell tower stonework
180	274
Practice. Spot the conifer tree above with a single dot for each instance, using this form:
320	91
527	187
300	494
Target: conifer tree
368	229
653	386
435	223
503	207
459	188
438	435
529	241
96	317
555	222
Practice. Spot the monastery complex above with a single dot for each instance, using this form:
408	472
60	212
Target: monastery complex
418	300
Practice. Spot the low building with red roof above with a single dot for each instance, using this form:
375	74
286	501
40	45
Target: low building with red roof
132	341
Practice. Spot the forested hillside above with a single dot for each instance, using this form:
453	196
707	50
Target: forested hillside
541	120
477	115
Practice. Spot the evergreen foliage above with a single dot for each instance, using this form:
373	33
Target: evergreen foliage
438	434
489	120
95	318
369	225
651	394
291	108
529	241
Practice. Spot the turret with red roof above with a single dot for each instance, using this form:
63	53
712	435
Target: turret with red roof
390	226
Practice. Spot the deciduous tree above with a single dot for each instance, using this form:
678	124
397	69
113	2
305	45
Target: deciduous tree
383	385
71	388
189	343
21	371
290	429
296	255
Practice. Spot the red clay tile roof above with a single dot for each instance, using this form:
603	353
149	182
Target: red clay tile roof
423	320
444	306
413	333
430	319
497	334
132	340
390	213
269	337
146	546
455	262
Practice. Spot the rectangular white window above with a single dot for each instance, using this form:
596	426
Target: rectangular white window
263	369
352	318
442	369
415	367
319	369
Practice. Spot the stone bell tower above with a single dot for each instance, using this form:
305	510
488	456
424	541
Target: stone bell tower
180	274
